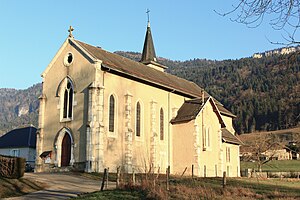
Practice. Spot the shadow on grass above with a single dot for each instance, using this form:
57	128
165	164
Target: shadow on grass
17	187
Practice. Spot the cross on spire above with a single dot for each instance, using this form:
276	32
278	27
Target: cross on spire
148	11
70	32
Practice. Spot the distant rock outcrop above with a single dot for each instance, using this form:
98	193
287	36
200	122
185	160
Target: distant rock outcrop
19	107
280	51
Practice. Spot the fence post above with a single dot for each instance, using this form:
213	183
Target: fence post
183	172
224	179
157	176
118	178
103	180
167	177
107	173
192	171
133	177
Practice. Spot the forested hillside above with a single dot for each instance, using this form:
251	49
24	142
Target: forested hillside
264	93
19	107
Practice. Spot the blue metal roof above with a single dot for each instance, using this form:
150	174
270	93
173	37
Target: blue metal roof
21	137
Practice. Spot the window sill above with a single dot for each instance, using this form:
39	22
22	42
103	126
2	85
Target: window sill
139	138
66	120
206	148
112	135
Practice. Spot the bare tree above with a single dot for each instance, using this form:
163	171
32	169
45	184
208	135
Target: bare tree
285	15
262	149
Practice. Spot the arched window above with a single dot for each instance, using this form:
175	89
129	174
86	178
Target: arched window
138	120
68	100
111	120
206	138
161	124
227	154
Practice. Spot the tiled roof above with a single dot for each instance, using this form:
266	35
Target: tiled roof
188	111
224	111
22	137
139	71
230	138
142	72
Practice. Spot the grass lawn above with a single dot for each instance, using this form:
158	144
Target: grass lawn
209	188
275	166
114	195
18	187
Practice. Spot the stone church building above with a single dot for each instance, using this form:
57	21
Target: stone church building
99	109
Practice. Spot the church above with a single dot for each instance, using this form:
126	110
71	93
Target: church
101	110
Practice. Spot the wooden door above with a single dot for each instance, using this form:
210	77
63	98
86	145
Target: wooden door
66	150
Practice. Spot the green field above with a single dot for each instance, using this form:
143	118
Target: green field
275	166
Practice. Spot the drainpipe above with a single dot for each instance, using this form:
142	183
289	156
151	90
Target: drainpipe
169	127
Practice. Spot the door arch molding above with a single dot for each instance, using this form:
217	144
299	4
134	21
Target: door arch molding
58	146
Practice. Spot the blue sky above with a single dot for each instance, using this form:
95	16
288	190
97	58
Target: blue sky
32	32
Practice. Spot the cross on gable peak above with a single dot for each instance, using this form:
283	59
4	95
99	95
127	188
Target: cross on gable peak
70	32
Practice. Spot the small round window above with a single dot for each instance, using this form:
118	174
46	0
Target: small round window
68	60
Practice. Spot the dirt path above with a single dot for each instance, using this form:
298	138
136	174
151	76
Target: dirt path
61	186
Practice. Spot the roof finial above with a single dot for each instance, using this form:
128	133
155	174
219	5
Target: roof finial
70	32
148	15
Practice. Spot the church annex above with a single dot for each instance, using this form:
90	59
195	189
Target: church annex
99	109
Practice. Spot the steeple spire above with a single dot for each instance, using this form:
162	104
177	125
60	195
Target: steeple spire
148	50
148	54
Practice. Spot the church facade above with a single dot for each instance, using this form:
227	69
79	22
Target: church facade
99	109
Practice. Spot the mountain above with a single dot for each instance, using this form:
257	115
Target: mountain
19	107
263	92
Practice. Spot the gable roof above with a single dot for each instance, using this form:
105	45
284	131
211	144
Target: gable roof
21	137
188	111
228	137
125	67
191	108
224	111
138	71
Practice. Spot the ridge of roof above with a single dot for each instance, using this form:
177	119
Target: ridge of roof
139	70
142	72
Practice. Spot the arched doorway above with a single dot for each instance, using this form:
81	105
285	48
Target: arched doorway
66	150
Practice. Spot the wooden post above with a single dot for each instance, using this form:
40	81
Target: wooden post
153	176
103	180
167	178
183	172
224	179
192	171
107	172
118	177
158	172
133	177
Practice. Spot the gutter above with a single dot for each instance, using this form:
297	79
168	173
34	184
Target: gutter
169	89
